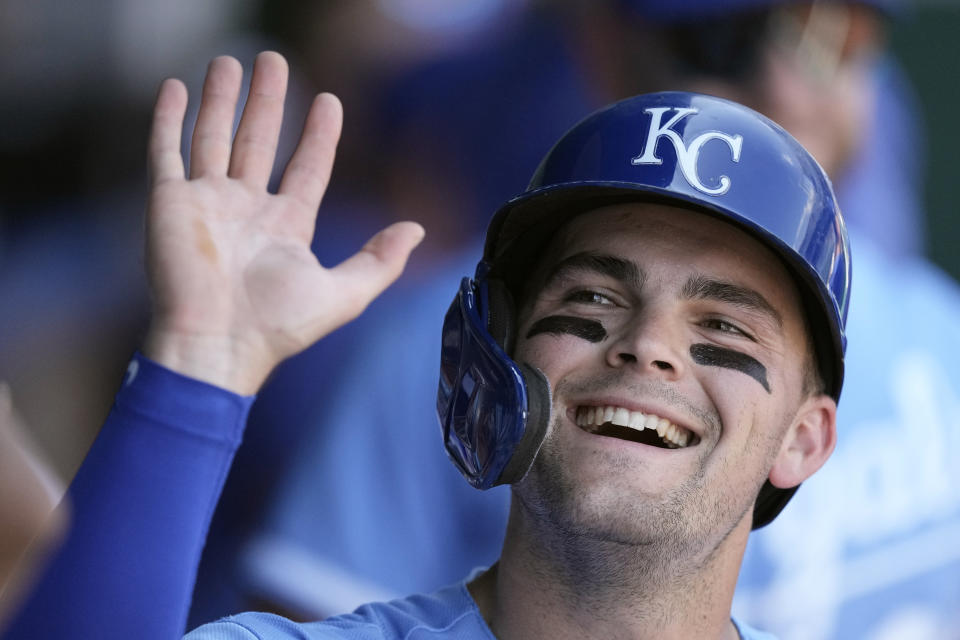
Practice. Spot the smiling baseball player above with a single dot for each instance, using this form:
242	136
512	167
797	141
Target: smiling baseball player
650	353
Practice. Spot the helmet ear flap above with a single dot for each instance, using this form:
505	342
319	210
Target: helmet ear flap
494	413
501	319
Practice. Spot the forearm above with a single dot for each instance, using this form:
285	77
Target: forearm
142	503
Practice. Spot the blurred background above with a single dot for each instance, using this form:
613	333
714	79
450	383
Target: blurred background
449	105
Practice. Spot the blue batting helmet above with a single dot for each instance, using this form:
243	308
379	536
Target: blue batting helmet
689	150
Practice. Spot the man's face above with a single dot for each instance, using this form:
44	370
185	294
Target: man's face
653	316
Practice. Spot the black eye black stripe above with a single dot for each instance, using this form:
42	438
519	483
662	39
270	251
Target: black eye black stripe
589	330
713	356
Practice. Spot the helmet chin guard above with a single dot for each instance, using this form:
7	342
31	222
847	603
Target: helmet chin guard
686	150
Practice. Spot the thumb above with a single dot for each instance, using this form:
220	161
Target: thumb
368	272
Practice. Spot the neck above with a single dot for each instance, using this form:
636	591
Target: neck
551	584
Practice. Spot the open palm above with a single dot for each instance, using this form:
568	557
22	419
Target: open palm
236	287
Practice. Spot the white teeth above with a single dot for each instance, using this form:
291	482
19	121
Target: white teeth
621	417
672	435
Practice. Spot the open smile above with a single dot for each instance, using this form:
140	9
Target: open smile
619	422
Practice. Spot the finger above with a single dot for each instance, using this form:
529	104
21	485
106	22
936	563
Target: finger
210	147
308	171
164	161
255	144
381	261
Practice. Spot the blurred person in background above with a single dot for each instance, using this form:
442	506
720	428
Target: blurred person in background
29	494
879	560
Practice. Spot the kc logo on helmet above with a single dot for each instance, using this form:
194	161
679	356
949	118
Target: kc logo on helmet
687	156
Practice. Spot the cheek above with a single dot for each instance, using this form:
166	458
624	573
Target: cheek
747	411
554	355
754	424
540	351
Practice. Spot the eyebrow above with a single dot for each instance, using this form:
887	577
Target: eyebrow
603	264
704	288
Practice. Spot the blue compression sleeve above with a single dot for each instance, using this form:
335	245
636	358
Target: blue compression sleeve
141	504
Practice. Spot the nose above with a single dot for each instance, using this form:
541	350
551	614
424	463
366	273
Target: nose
650	343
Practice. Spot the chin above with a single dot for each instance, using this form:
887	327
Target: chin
685	520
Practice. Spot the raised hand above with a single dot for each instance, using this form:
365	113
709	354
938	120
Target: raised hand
236	288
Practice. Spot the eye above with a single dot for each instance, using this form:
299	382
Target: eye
588	296
724	326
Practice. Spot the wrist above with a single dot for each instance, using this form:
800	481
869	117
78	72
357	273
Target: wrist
216	360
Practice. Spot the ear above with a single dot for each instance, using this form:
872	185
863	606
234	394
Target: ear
808	442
